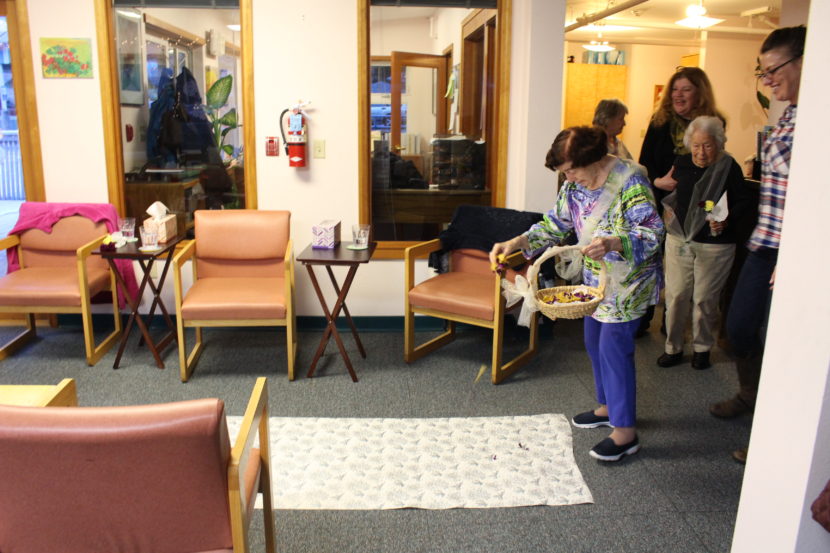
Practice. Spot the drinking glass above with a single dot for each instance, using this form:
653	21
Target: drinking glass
360	235
149	239
127	227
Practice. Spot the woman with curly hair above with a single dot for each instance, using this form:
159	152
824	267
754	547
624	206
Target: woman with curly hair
687	95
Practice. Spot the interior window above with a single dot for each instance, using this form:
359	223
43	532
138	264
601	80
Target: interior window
430	144
180	109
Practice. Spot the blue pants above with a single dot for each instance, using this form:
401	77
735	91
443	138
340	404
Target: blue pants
611	349
746	324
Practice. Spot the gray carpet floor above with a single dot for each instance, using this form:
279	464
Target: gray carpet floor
679	494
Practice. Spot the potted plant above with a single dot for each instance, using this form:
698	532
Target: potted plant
217	98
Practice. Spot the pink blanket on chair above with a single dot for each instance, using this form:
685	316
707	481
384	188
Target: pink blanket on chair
44	215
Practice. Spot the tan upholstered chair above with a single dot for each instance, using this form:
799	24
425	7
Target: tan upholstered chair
58	275
470	292
243	275
150	478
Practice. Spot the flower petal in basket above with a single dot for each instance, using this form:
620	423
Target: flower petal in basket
570	310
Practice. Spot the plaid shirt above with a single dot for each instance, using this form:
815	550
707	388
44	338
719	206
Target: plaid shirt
775	172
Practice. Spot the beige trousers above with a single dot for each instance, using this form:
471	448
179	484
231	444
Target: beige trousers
695	276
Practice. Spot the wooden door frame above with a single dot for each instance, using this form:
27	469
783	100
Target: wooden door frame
395	249
111	103
23	75
399	60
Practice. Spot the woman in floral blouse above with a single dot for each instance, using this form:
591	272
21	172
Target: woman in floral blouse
608	203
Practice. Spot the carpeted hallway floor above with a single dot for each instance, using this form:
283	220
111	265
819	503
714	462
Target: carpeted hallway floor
679	494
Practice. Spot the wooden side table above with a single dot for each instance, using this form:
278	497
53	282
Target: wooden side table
342	256
145	259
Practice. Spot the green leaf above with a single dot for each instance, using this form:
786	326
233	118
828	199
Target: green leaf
229	118
228	149
218	94
763	100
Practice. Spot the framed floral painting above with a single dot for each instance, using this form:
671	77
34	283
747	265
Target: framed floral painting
66	58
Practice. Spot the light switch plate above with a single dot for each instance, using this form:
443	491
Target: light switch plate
318	149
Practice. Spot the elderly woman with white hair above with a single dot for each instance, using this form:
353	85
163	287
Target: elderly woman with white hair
709	201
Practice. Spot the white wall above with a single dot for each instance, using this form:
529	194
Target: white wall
537	50
730	65
789	450
649	66
69	110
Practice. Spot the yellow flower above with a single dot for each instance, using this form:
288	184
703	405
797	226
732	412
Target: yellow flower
710	205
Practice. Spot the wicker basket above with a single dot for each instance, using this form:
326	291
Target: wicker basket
574	310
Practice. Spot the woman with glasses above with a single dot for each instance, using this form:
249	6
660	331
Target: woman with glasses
607	202
687	95
709	203
781	59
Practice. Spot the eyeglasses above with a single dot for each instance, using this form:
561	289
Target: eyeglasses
770	72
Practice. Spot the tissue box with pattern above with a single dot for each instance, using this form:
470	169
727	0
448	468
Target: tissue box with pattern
325	235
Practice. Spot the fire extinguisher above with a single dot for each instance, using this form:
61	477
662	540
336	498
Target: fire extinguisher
295	141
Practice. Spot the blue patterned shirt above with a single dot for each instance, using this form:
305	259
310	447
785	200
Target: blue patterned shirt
635	275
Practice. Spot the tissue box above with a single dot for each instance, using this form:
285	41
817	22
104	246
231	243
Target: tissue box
166	228
325	235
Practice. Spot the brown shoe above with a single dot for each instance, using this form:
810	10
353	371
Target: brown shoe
730	408
740	455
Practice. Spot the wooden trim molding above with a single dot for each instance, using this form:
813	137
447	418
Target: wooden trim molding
364	180
111	103
502	109
158	27
17	14
232	49
246	19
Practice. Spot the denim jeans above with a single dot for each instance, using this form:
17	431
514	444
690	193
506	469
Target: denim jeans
746	323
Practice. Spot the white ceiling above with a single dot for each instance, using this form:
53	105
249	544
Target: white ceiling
655	20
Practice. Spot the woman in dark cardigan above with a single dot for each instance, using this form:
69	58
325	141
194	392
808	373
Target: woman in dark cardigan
687	95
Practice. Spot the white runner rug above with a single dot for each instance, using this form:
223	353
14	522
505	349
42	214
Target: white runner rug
439	463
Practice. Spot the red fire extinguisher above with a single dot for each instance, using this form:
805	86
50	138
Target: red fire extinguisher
295	141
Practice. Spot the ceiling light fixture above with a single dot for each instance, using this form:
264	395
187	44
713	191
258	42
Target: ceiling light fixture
235	27
696	17
598	45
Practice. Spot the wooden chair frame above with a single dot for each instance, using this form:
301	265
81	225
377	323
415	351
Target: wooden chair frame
187	362
93	352
62	394
254	425
412	352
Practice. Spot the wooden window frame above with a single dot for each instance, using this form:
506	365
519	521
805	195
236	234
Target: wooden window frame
500	108
23	75
111	104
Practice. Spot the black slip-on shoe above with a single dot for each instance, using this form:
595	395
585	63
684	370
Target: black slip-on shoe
589	420
670	359
700	360
607	450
